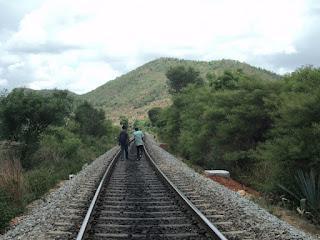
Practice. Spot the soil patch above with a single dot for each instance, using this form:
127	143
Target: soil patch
235	186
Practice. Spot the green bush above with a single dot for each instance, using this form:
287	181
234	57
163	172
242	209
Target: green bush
260	130
55	144
8	209
307	186
25	115
154	114
91	120
39	181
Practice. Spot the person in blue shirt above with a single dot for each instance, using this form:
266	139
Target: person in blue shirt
138	140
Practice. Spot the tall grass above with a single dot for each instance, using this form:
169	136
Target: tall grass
12	187
11	176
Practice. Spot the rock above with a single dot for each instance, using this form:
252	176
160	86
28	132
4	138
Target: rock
221	173
84	166
242	192
71	176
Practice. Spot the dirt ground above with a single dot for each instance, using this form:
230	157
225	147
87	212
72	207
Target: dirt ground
289	216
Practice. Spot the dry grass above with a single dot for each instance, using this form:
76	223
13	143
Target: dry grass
11	177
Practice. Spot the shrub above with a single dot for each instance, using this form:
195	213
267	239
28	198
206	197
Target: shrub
39	181
8	209
91	120
307	186
154	114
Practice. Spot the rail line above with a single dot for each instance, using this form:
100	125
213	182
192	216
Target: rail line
136	200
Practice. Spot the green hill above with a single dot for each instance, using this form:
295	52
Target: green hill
134	93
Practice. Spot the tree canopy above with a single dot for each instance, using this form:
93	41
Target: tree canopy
91	120
261	130
25	115
180	77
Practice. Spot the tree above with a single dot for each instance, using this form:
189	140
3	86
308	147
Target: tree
154	114
228	80
91	121
124	121
293	142
25	115
179	77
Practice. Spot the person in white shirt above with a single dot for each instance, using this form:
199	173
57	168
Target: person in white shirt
138	140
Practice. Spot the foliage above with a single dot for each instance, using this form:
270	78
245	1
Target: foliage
259	129
8	209
58	142
226	81
307	186
11	187
202	122
91	120
180	77
134	93
293	142
39	181
154	114
124	121
26	115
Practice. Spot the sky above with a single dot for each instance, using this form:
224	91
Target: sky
81	44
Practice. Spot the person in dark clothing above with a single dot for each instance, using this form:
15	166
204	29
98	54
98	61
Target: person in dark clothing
124	142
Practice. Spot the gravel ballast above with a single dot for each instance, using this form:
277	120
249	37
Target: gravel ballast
60	205
244	214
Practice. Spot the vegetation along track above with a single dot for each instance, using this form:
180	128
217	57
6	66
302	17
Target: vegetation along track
135	200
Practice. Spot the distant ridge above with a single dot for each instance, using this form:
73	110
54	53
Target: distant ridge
45	92
135	92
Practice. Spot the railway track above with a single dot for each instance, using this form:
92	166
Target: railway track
135	200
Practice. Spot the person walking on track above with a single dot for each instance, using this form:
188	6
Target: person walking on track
124	142
138	140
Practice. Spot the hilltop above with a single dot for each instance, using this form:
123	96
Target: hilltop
134	93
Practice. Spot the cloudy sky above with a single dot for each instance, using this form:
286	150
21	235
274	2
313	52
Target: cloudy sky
81	44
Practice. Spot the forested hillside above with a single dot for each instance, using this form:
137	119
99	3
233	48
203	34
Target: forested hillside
134	93
266	133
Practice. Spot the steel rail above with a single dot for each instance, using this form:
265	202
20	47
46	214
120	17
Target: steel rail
106	175
213	231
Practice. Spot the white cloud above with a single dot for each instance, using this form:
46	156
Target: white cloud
69	72
3	82
75	43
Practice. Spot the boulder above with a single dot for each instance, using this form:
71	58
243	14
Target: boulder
221	173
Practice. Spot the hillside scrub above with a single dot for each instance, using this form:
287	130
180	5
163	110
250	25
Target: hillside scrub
262	131
52	139
137	91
